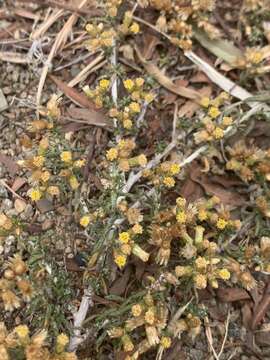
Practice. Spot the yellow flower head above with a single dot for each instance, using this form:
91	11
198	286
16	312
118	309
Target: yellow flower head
201	263
134	28
202	214
218	133
112	154
142	160
139	82
200	281
128	84
169	181
165	342
134	107
181	217
79	163
120	260
227	120
175	169
35	194
221	224
124	237
149	97
45	176
137	229
224	274
181	202
136	310
85	220
149	316
74	182
90	28
127	124
62	340
125	249
213	112
53	190
104	84
22	331
205	101
38	161
66	156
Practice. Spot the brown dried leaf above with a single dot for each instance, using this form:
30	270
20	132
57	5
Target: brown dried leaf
72	94
119	286
13	57
165	81
246	315
226	196
88	116
150	43
232	294
260	310
189	108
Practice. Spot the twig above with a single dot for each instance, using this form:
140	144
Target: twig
79	317
65	6
175	117
85	71
209	337
3	183
225	335
75	61
114	81
59	41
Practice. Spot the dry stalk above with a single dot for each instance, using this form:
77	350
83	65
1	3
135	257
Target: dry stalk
41	30
225	335
86	71
77	338
58	44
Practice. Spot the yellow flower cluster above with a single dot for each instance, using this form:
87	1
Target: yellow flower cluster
42	180
129	26
213	129
178	19
248	161
163	175
19	342
13	283
182	220
153	316
99	93
122	153
125	246
127	115
100	37
112	7
8	226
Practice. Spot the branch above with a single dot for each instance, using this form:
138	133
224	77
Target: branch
77	338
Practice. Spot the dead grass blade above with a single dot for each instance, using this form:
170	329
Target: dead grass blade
13	57
41	30
87	116
86	71
58	44
72	94
223	82
166	82
261	309
221	48
69	7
